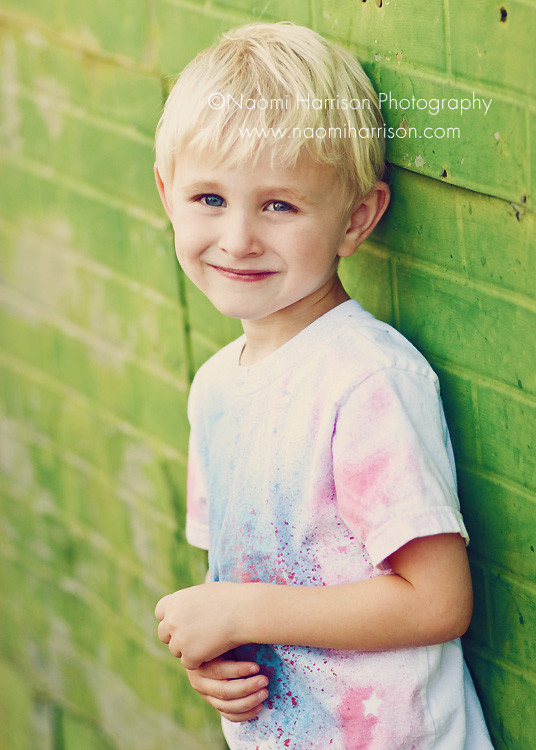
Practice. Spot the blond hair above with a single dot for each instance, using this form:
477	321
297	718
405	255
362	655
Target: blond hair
277	78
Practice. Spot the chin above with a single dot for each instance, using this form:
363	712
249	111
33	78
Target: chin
240	310
232	311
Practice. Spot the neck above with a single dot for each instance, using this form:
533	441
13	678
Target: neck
265	335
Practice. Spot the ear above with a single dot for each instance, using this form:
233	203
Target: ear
364	217
162	193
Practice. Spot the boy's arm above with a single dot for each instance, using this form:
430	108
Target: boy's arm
427	599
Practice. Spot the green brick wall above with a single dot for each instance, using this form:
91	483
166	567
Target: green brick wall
99	336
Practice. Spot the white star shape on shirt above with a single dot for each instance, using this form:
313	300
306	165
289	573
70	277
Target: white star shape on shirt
372	705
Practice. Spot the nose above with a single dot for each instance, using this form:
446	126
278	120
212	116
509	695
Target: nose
239	238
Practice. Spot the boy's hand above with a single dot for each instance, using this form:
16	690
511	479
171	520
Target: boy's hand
234	688
198	623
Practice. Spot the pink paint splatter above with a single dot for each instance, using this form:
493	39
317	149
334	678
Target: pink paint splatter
357	729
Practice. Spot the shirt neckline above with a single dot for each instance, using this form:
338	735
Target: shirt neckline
292	352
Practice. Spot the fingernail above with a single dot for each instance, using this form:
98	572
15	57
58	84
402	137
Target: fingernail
253	669
262	682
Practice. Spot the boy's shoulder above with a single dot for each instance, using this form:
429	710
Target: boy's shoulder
345	347
362	345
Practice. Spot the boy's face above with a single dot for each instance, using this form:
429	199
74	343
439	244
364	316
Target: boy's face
258	241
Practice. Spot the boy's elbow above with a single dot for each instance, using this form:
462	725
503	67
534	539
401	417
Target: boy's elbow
451	618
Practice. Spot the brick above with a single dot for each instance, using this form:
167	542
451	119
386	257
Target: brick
110	27
138	598
295	11
17	713
451	319
70	78
44	11
392	33
202	722
97	507
133	725
99	373
457	397
366	277
141	470
480	628
500	521
152	543
210	329
122	313
277	10
531	116
508	261
436	222
507	699
78	734
185	31
333	19
130	660
108	234
93	569
489	154
483	38
508	435
117	163
422	220
514	622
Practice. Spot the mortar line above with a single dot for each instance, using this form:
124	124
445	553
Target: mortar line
448	49
129	564
394	291
500	480
511	391
128	496
497	661
79	187
22	303
476	415
60	388
91	266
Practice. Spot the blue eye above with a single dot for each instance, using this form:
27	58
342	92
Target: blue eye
280	206
212	200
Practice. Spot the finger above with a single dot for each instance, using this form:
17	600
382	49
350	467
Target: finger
160	608
189	662
248	716
163	633
241	706
227	669
228	690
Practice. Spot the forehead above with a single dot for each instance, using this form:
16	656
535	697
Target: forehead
308	179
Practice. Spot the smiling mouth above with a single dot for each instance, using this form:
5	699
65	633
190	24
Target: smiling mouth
238	274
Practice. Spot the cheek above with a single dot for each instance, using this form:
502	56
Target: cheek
190	239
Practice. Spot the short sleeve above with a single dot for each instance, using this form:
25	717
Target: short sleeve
394	478
197	520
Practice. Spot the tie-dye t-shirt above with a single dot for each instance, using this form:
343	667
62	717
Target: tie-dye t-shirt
310	468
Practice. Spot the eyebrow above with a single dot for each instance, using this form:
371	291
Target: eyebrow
282	190
208	186
203	187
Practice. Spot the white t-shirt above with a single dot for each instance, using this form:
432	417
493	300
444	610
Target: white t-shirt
310	468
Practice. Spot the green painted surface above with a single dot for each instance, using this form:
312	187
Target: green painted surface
99	336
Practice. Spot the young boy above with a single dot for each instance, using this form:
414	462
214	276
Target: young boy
321	476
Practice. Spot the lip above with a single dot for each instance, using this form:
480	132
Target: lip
243	274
